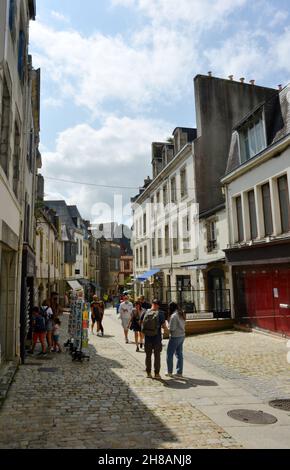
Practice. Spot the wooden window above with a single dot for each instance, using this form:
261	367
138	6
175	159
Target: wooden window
253	214
167	248
267	209
240	219
175	238
183	182
173	190
252	139
284	203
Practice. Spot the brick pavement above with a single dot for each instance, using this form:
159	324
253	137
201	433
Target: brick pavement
101	404
257	362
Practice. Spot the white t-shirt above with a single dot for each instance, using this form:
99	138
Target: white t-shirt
126	309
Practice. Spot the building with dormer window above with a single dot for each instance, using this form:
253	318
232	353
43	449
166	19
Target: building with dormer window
257	188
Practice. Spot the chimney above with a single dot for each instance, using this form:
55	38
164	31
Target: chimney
280	87
210	74
242	80
231	77
252	82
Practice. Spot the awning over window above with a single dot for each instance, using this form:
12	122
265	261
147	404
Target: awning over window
75	285
202	263
145	276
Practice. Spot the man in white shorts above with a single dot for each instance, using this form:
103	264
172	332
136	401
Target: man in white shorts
125	312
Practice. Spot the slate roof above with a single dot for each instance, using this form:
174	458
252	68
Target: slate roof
277	123
67	224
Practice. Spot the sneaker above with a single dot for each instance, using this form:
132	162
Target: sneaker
157	376
137	349
127	341
149	375
141	345
44	354
178	375
168	375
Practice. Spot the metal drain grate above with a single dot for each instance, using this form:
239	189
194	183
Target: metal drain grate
51	370
252	417
283	405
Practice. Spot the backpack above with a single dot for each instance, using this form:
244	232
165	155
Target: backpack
150	326
39	324
45	315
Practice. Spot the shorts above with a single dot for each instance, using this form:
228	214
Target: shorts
56	338
125	322
49	326
38	335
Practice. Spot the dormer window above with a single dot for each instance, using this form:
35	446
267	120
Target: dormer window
252	138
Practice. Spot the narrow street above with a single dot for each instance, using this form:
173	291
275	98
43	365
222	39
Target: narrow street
109	403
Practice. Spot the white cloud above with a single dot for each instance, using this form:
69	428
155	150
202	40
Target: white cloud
117	154
52	102
60	17
194	12
100	68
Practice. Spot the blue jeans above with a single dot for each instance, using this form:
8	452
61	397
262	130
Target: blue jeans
175	346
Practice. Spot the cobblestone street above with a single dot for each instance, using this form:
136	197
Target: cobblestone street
109	403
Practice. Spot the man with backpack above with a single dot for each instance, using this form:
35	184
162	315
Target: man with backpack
152	321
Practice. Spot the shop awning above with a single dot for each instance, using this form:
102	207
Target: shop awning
203	263
84	282
75	285
145	276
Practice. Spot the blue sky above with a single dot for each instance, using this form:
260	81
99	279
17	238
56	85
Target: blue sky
118	74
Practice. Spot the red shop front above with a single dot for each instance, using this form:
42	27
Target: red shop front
262	286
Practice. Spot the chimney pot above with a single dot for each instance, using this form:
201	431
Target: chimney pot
231	77
280	87
242	80
210	74
252	82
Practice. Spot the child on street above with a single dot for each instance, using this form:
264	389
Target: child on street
56	334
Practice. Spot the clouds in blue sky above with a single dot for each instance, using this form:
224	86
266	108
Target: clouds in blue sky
117	75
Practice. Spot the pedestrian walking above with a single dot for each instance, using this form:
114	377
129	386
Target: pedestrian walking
97	315
135	325
38	330
152	321
47	313
176	339
144	303
56	335
125	312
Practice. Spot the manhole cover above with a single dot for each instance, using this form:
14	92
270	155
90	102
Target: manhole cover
283	405
51	370
252	417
